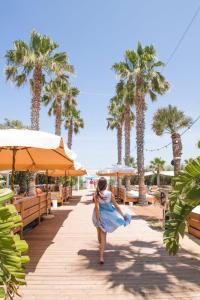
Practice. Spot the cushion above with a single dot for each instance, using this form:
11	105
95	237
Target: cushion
39	191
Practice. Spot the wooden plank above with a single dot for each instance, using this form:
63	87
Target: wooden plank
29	202
64	261
194	216
194	231
30	211
30	218
194	223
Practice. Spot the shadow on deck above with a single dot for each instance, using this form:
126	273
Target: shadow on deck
145	269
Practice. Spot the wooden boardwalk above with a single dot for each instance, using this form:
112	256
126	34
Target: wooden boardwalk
64	262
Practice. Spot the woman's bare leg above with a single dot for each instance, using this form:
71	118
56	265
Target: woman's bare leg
99	235
102	245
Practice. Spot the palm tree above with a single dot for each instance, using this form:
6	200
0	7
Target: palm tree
115	120
14	124
139	68
126	92
157	165
72	119
33	61
73	123
55	92
132	163
171	120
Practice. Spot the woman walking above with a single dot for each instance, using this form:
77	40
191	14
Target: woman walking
107	215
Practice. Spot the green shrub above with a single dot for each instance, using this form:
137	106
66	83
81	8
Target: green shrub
12	273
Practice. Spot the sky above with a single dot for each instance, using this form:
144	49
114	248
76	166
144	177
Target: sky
95	35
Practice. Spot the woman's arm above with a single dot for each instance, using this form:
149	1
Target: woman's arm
117	206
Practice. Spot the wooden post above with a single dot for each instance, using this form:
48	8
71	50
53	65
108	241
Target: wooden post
39	218
22	216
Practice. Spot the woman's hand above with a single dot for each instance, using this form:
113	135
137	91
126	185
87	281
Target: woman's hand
125	217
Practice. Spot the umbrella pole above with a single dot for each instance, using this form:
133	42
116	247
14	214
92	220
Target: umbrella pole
47	192
13	170
117	186
65	186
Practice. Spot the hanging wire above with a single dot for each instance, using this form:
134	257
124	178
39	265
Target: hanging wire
183	35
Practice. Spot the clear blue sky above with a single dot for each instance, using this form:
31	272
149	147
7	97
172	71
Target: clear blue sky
95	34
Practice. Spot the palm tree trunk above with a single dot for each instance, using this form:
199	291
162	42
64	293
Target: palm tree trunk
119	144
177	152
58	122
158	178
35	116
127	128
119	151
36	98
140	127
70	134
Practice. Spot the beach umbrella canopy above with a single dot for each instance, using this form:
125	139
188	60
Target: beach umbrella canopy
117	170
75	170
32	150
24	149
167	173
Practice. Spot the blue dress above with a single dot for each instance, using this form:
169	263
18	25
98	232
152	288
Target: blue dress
110	218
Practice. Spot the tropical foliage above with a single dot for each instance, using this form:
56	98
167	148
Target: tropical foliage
115	120
12	273
184	197
140	77
73	121
170	120
157	165
55	92
12	124
33	62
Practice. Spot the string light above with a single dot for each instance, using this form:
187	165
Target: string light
167	145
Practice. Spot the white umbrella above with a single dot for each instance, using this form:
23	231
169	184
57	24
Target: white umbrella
165	173
23	149
117	170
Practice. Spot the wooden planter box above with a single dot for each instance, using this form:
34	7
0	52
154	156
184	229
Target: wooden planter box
32	208
194	224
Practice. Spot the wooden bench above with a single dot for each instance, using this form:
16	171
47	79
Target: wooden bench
32	208
194	224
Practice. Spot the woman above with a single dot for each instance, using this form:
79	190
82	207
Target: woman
107	215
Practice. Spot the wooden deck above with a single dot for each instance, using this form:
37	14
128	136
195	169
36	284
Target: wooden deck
64	262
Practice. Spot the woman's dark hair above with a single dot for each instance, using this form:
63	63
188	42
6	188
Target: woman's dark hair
101	186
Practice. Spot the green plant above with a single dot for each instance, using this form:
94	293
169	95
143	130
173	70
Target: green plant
12	273
157	165
33	62
184	197
73	121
